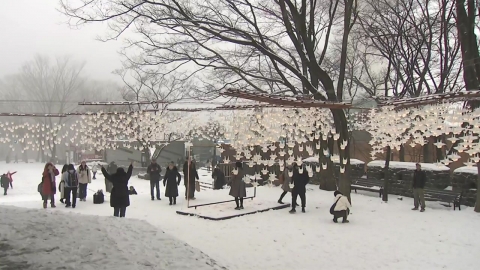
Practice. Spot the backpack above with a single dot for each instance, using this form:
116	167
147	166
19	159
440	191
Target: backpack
98	197
73	180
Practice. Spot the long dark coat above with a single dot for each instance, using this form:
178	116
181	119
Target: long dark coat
190	177
219	178
171	182
120	195
300	180
238	187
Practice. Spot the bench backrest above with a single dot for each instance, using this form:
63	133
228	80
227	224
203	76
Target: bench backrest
364	181
442	193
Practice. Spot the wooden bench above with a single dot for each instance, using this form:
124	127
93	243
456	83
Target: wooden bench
373	185
448	196
205	185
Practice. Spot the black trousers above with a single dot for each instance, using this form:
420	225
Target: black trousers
172	199
52	199
94	175
237	200
155	184
70	194
82	190
340	214
119	211
295	194
11	185
5	190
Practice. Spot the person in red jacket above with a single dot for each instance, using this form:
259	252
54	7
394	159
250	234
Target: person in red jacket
49	187
9	175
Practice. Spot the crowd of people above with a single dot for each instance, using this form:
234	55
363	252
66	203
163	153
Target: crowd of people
74	183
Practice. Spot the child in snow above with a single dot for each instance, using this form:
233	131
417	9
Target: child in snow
94	171
341	207
5	182
9	175
132	191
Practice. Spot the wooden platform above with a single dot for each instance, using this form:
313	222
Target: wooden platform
226	211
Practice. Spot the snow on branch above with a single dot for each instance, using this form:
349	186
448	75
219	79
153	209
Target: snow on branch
293	101
432	99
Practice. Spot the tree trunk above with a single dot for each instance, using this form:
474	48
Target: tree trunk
477	203
426	151
386	175
439	151
341	124
327	176
401	153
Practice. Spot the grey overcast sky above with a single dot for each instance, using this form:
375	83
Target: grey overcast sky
30	27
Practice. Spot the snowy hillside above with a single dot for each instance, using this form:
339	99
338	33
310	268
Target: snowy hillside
69	241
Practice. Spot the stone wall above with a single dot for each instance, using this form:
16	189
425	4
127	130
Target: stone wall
465	178
401	176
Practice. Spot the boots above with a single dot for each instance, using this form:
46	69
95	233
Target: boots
303	209
44	205
52	205
174	200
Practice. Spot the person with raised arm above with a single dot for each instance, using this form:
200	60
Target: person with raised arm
119	195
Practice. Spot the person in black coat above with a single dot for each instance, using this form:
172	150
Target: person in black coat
419	180
190	174
299	180
218	177
172	180
154	171
120	195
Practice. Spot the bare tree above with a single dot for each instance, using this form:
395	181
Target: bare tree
418	43
274	46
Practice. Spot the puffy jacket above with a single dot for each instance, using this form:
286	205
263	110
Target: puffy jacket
342	204
84	175
70	178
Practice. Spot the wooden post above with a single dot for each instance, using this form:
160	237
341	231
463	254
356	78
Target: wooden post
386	175
188	175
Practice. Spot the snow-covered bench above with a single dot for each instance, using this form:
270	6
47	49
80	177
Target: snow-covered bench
366	184
448	196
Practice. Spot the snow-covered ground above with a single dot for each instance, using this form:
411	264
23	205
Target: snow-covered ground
380	235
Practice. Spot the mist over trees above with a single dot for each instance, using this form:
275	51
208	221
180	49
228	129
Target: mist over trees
50	86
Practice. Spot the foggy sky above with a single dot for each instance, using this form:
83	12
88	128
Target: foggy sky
30	27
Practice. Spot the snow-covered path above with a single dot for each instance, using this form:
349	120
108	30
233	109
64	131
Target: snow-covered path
380	235
57	240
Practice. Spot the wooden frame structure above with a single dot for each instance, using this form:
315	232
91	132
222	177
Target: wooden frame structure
432	99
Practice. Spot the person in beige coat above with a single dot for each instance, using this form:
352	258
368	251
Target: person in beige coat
342	207
84	179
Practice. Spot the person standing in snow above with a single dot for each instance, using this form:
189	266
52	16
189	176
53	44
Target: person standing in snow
300	180
285	182
49	188
237	186
61	185
5	182
85	178
171	181
112	168
154	171
419	180
10	177
70	179
341	207
94	171
120	195
190	174
218	178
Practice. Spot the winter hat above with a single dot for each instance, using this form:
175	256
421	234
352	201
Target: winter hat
336	193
